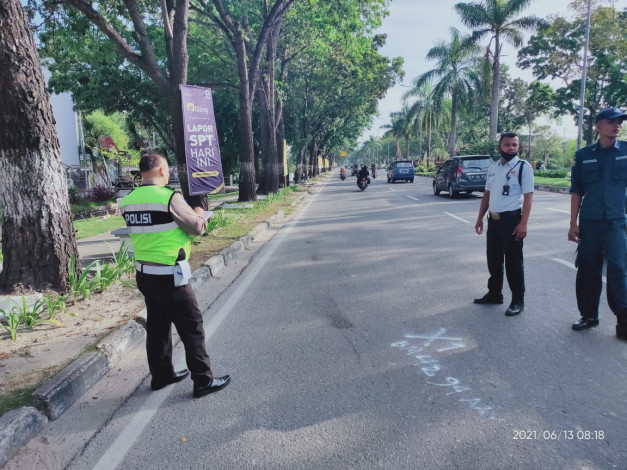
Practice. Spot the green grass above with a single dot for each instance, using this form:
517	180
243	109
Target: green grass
94	226
17	399
562	182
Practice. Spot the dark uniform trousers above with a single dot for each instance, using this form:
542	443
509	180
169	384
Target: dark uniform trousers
502	244
165	305
599	238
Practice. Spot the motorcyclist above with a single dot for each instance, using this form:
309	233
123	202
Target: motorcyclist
373	168
343	172
364	173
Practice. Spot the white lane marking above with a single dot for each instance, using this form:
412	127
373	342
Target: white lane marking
458	218
572	266
557	210
410	197
120	447
392	189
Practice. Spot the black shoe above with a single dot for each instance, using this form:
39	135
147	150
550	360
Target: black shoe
585	323
621	331
514	309
215	385
158	384
490	298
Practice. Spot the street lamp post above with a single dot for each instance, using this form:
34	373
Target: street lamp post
583	78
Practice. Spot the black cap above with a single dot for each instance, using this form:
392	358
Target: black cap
611	113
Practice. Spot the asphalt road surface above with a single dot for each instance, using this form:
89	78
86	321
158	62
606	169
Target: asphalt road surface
353	342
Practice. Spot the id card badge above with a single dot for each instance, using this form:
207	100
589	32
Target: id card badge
182	273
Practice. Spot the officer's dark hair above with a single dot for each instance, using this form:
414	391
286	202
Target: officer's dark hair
507	135
151	160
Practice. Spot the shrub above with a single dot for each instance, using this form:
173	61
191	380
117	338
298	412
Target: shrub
74	194
552	173
101	194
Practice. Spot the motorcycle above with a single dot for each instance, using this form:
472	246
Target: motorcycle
362	183
342	176
374	173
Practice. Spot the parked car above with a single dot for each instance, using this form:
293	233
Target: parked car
401	170
462	173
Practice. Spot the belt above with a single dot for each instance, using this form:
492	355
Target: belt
504	215
156	270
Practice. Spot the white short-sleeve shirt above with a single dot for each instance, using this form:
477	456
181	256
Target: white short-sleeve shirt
499	175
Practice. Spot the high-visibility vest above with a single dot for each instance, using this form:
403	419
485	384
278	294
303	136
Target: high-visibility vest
155	235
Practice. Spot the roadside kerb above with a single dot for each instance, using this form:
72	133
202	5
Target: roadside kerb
61	391
17	427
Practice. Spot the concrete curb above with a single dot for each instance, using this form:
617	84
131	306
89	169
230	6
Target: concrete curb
17	427
215	264
60	392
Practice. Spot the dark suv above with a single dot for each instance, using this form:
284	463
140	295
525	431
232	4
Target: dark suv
462	173
401	170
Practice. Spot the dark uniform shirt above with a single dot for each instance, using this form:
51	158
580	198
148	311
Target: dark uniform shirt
599	176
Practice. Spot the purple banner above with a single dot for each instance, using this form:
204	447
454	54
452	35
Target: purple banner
202	151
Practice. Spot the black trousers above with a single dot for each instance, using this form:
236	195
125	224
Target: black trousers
502	245
165	305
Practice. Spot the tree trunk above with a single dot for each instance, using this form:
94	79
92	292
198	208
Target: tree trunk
301	165
494	104
453	137
428	138
37	233
270	177
247	186
407	138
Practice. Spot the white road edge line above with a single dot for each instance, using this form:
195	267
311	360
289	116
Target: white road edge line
457	218
572	266
411	197
120	447
557	210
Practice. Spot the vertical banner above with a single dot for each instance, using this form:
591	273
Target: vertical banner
319	164
202	151
326	164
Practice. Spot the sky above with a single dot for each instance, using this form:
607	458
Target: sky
415	26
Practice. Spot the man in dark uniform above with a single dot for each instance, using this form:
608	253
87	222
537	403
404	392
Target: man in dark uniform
508	197
598	185
160	223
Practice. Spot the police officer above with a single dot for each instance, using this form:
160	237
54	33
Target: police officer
160	224
598	185
507	197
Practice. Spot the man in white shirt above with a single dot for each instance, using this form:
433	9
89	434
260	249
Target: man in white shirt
507	200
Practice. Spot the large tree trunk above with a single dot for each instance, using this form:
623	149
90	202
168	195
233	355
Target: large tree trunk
494	104
37	233
428	138
270	176
247	186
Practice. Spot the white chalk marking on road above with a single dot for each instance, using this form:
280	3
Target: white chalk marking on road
557	210
458	218
572	266
119	448
411	197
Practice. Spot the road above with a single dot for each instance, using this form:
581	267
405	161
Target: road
353	342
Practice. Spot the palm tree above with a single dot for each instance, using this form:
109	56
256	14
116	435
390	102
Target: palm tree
497	19
454	76
395	130
423	113
372	147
